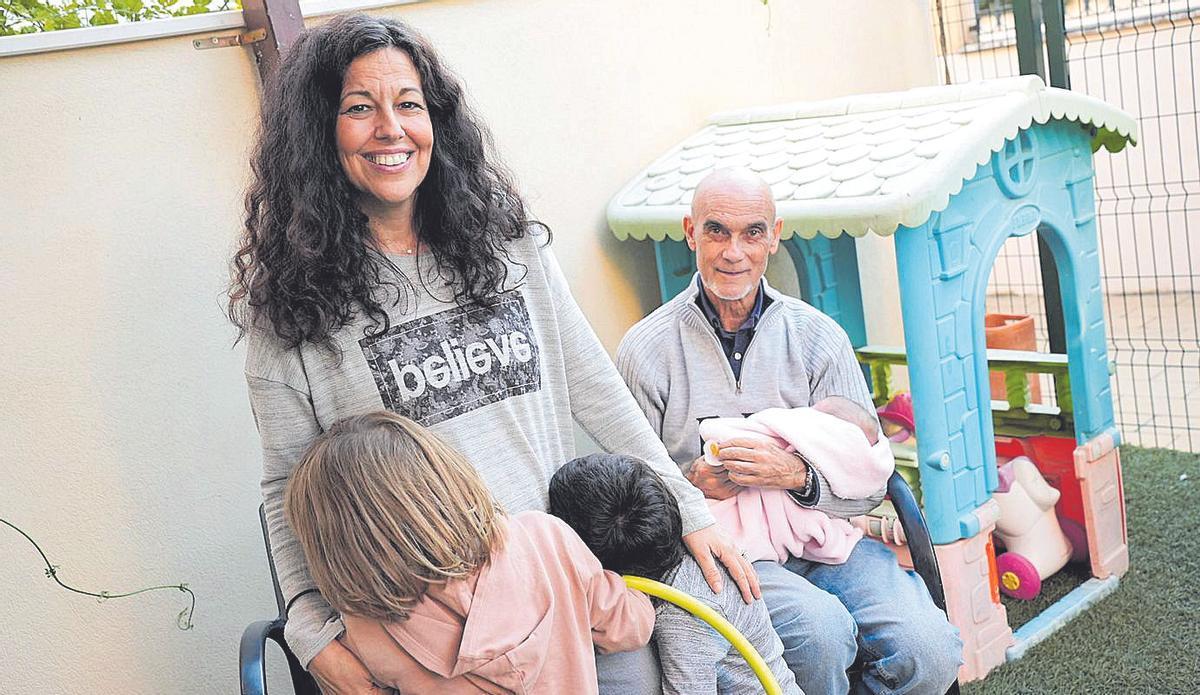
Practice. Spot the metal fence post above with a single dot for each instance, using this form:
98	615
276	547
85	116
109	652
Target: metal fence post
1031	52
1056	44
1056	64
1056	329
1027	16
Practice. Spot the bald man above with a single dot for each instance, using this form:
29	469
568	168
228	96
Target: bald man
730	345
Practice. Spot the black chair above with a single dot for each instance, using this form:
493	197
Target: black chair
254	639
252	664
917	534
920	545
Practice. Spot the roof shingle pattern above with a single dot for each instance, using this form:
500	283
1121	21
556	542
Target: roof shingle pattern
858	164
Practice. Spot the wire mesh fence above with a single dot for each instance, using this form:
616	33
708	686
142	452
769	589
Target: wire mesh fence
1140	55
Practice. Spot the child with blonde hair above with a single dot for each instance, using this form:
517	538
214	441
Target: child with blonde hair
439	589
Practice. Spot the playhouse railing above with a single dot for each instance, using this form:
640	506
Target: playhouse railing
1015	416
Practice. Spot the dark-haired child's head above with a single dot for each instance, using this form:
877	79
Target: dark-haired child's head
623	511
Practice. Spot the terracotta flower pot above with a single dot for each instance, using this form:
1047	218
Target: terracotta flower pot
1011	332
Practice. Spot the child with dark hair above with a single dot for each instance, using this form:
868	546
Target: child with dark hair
625	514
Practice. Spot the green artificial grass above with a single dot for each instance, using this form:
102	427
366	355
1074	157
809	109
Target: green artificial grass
1145	636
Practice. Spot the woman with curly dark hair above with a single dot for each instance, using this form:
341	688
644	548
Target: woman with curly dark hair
388	262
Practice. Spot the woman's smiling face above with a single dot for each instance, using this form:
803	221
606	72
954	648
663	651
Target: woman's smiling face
384	134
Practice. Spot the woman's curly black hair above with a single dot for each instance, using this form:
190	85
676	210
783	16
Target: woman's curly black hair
307	262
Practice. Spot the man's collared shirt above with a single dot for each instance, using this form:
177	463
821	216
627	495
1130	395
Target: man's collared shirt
733	343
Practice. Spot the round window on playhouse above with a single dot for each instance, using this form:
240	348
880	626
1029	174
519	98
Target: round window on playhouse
1015	165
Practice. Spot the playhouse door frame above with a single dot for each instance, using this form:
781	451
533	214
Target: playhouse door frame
945	267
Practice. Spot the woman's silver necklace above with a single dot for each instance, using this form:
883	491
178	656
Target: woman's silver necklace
410	251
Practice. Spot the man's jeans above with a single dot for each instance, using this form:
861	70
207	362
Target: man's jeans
868	608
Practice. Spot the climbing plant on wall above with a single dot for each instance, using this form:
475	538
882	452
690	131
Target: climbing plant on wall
183	620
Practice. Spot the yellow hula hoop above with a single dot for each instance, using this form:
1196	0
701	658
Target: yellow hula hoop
720	624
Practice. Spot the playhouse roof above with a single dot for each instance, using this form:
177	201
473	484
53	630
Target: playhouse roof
861	163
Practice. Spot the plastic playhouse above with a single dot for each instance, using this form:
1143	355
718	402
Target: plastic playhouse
952	172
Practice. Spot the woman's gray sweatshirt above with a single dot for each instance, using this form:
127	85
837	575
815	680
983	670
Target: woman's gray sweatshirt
501	384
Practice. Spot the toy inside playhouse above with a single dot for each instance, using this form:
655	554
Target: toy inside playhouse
1015	480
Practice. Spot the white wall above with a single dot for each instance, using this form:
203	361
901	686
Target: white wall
127	447
603	88
125	435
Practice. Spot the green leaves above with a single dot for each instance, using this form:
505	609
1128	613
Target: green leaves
28	16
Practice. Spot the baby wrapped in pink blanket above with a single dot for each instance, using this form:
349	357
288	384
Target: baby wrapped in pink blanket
767	522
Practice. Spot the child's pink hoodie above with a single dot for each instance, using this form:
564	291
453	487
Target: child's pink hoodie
524	623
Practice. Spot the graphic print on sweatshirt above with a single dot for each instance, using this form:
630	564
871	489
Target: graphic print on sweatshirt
443	365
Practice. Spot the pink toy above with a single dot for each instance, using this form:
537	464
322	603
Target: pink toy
899	423
1055	458
1029	529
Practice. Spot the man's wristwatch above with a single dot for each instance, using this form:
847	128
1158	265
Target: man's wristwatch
808	495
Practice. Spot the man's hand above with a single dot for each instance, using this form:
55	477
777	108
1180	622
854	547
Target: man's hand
713	481
339	672
711	542
753	463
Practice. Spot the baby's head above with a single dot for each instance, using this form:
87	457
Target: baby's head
845	409
623	511
382	509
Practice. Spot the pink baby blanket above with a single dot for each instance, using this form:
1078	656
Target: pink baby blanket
767	522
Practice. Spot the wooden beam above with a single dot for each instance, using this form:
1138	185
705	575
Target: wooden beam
282	21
